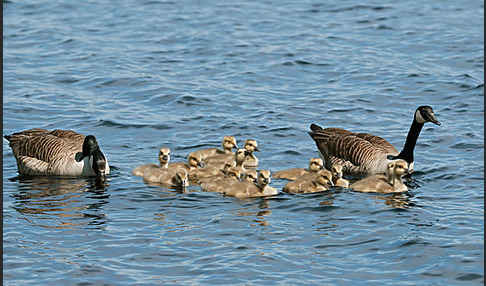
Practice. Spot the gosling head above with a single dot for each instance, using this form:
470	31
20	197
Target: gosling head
315	164
264	178
251	176
229	142
240	156
401	168
227	166
234	173
337	171
251	145
324	178
164	156
195	160
181	178
424	114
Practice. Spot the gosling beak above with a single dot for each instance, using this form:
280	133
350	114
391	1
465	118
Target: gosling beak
165	157
256	149
201	164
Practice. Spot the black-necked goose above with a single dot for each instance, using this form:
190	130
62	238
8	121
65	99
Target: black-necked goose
363	153
57	153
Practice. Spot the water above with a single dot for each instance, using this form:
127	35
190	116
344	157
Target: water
142	74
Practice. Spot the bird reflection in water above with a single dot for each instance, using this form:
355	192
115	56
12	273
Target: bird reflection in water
398	201
52	202
260	215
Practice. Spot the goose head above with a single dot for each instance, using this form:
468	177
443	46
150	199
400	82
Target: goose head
264	178
92	149
251	145
229	142
164	156
316	164
424	114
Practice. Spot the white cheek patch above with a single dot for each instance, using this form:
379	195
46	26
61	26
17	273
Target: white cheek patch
419	118
410	167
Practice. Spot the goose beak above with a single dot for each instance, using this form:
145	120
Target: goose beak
433	119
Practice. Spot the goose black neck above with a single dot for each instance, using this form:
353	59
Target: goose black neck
413	134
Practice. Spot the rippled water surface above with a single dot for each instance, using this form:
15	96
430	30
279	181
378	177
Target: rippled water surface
142	74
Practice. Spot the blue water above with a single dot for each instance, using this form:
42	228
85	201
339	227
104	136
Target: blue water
142	74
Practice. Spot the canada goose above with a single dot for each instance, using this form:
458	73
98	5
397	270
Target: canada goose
228	143
251	146
312	184
220	184
337	176
247	189
57	153
391	182
315	164
164	158
362	153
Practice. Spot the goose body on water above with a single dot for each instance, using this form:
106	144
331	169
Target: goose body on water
363	153
246	189
312	183
40	152
228	143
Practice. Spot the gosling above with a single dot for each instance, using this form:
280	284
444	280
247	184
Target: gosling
391	182
228	143
337	176
320	182
251	146
247	189
315	165
164	158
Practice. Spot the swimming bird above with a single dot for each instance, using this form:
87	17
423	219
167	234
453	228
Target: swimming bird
363	153
319	182
251	160
164	159
177	179
228	143
391	182
58	152
247	189
337	177
214	169
220	184
315	164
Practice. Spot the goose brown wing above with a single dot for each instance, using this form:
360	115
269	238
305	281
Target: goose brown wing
42	145
378	142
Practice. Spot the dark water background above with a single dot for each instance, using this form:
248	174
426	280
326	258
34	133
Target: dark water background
142	74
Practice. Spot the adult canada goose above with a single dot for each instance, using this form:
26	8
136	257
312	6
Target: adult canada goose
228	143
57	153
363	153
251	160
319	182
391	182
164	158
247	189
315	164
337	177
220	184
